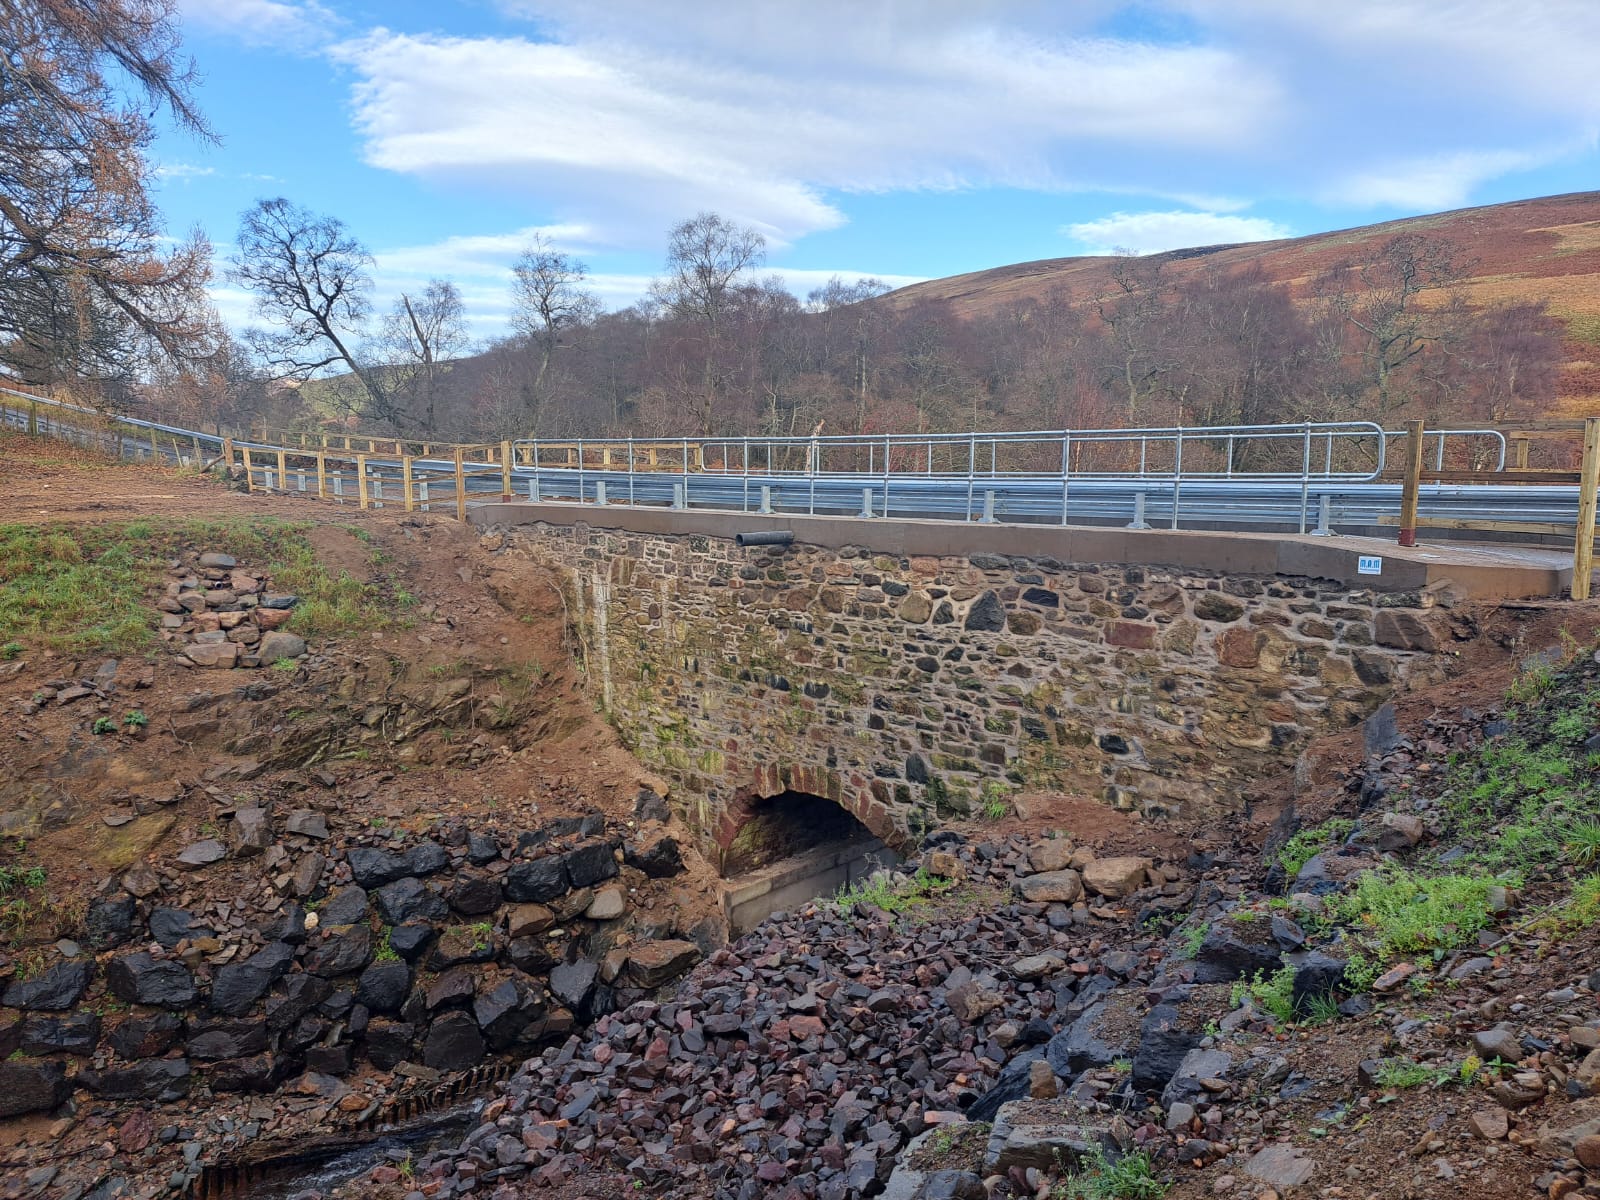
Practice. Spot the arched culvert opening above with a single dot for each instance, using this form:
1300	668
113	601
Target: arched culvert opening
791	848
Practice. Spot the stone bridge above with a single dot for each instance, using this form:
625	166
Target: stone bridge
909	671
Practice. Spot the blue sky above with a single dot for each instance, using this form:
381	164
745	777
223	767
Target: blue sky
904	140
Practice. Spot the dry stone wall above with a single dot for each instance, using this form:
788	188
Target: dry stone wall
907	689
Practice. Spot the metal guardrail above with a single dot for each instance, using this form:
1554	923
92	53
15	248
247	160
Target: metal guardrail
1315	477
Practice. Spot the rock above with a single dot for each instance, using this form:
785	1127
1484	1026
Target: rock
941	864
228	1038
608	904
1404	629
1398	831
1214	606
1037	966
655	964
52	990
203	853
537	881
971	1002
145	1036
458	945
159	1079
307	874
32	1087
250	832
1197	1066
572	983
407	900
589	865
1022	1138
1051	887
217	562
529	920
383	986
1164	1043
411	942
475	895
307	823
389	1043
482	849
343	951
660	858
142	882
1559	1136
216	655
372	868
1316	977
109	922
426	858
169	926
453	1043
1280	1166
1490	1124
1041	1081
1499	1042
1234	950
987	615
1115	878
1380	732
1088	1043
141	980
1393	977
347	906
1050	854
238	985
1587	1151
280	645
72	1033
1014	1083
301	993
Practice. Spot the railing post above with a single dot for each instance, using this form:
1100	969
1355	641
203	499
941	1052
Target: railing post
1588	482
972	470
283	471
461	488
33	421
249	483
322	475
600	492
1066	473
1411	490
1138	521
766	499
580	470
630	471
227	455
407	498
505	470
1305	477
1324	517
866	502
1177	474
679	496
886	457
361	480
988	508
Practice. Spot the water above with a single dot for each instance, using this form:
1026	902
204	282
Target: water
321	1169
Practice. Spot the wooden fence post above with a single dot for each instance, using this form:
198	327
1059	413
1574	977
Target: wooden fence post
405	482
1413	484
322	475
33	418
249	483
505	470
461	488
361	480
1588	481
227	455
283	471
155	450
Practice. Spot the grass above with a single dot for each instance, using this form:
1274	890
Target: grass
1274	994
1130	1177
1193	938
1396	912
1308	843
881	892
1399	1074
86	589
385	952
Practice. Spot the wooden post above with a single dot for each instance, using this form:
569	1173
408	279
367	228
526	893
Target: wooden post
283	471
1413	484
322	475
405	482
361	480
1522	444
227	454
155	452
33	418
249	483
1589	480
461	489
505	470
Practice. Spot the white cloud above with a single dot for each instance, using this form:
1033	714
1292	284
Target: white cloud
286	24
1429	183
631	125
183	171
1146	233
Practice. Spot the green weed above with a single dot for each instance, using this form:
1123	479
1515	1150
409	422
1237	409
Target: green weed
1274	995
103	725
1308	843
1131	1177
881	892
385	952
136	719
1193	938
1400	1074
11	650
1396	912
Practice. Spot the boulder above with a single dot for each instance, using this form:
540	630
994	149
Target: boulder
169	926
383	987
342	951
590	864
218	1039
389	1043
409	899
987	614
237	985
1115	878
453	1043
574	982
1014	1083
1281	1166
1316	976
1164	1041
279	645
608	904
1232	950
460	944
426	858
27	1087
529	920
372	868
1089	1042
482	849
655	964
538	881
52	990
659	858
411	942
301	994
70	1033
307	822
1197	1065
250	832
142	979
1050	854
203	853
257	1073
145	1036
1025	1137
474	895
159	1079
1052	887
347	906
109	922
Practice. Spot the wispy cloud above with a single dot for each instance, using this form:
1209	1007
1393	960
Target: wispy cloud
183	171
285	24
1149	232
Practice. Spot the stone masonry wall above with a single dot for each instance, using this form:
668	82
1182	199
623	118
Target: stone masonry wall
908	689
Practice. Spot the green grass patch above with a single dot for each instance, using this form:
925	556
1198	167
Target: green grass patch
1395	913
1274	994
1308	843
1131	1177
87	589
881	892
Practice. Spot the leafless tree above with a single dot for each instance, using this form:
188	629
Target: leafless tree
310	278
706	256
422	337
548	301
85	289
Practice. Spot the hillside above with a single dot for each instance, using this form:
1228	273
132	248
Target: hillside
1546	249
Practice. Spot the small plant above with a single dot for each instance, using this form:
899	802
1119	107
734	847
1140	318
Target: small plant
1308	843
385	952
285	664
1193	938
1531	684
1398	912
881	892
1399	1074
1320	1010
11	650
1131	1177
1245	915
406	1167
1274	995
103	725
1213	1029
1122	1066
996	804
1467	1072
1580	842
136	719
482	935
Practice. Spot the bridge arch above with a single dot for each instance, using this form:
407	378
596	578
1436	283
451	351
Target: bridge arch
801	790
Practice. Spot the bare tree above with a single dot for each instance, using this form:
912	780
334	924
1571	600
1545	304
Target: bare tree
422	337
548	300
85	289
706	256
310	279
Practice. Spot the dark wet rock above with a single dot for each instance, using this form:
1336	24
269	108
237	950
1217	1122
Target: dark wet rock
411	942
1380	732
238	985
290	927
347	906
70	1033
407	900
372	868
1195	1067
226	1038
591	864
110	922
301	994
537	881
1012	1085
453	989
1164	1040
256	1073
426	858
482	849
341	952
661	858
472	896
336	1060
383	987
1316	977
142	979
52	990
389	1043
169	926
161	1079
1232	951
503	1013
573	983
32	1087
145	1036
453	1043
1087	1044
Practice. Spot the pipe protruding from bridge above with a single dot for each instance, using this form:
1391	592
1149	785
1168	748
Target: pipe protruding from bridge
765	537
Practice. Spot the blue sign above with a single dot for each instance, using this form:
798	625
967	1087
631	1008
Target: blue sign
1369	564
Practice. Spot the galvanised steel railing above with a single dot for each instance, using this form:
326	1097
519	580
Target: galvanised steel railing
1313	477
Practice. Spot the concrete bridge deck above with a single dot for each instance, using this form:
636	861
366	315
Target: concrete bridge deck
1475	571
